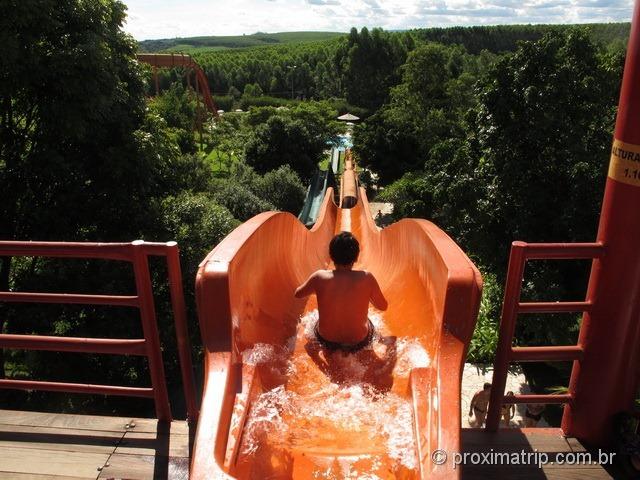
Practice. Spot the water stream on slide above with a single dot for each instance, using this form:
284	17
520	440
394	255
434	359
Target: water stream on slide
335	415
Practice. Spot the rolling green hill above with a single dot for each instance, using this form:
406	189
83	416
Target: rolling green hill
196	44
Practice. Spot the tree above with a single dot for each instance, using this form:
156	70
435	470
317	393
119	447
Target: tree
410	196
72	102
283	189
240	200
371	66
387	144
296	137
544	127
234	92
80	159
428	107
252	90
196	222
69	118
530	165
176	107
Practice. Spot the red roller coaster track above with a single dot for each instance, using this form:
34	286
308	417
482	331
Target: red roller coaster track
172	60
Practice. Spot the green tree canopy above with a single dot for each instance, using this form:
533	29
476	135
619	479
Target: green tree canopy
73	123
427	107
371	66
544	129
527	162
176	106
81	158
297	137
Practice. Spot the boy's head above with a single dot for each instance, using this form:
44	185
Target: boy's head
344	249
486	387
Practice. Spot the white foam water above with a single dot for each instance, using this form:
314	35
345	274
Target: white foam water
410	354
275	357
384	418
353	407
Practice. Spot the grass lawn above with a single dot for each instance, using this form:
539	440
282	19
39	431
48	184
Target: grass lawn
220	162
324	163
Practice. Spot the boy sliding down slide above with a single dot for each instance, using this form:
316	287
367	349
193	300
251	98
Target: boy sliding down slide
343	298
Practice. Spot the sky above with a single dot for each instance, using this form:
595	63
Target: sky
152	19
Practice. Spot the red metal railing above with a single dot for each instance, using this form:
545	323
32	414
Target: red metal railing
512	306
137	254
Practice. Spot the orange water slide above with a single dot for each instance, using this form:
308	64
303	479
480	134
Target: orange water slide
273	407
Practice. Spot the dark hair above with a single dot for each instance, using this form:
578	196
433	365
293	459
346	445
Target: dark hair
344	249
486	386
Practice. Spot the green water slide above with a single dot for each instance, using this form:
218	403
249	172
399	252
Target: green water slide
321	180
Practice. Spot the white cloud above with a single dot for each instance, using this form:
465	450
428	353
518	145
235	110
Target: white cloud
324	2
174	18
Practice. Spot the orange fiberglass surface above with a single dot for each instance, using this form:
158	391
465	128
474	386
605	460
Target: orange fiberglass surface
277	406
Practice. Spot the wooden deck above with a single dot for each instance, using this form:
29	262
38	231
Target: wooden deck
36	446
530	440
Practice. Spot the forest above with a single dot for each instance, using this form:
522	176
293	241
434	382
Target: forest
313	68
494	133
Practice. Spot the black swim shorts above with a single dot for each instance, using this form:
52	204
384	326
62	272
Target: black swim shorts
345	347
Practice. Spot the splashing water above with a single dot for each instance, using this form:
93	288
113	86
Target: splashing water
313	413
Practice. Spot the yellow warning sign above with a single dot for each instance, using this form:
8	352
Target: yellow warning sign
625	163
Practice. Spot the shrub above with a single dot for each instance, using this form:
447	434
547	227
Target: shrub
240	201
184	139
245	175
282	187
197	222
224	102
265	101
485	336
411	197
282	141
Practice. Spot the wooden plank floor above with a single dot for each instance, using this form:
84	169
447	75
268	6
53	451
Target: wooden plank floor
37	445
40	446
530	440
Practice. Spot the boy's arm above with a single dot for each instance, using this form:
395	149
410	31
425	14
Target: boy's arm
307	288
377	298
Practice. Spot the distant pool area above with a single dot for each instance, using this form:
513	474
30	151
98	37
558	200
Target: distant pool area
344	142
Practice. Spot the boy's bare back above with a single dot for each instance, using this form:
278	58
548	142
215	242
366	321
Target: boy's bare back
343	302
343	294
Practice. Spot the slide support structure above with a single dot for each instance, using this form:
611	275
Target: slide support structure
604	382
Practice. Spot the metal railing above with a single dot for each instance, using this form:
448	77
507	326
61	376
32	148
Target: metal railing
137	254
512	306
